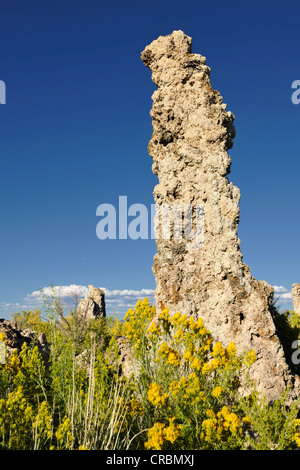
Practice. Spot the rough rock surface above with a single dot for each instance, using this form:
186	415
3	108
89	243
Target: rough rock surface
192	132
126	360
296	297
15	338
93	305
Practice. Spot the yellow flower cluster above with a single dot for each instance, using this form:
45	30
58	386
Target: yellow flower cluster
169	354
217	391
182	326
296	439
16	416
136	320
172	432
13	363
187	390
155	395
63	433
155	437
188	339
225	358
19	422
250	357
42	423
134	408
221	426
159	434
164	320
2	337
153	329
178	387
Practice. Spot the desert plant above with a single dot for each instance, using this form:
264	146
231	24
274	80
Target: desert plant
190	388
184	392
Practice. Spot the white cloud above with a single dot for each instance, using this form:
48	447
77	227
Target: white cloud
280	289
283	297
117	301
286	295
61	291
7	305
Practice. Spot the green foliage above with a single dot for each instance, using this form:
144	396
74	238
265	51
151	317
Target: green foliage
31	319
273	426
184	392
288	330
294	321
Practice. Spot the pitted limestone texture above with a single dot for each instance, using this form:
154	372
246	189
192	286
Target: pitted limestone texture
192	133
93	305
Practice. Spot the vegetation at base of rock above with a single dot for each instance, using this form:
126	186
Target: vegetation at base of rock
184	392
288	330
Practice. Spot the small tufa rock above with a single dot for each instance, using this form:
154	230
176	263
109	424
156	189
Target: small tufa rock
126	356
93	305
15	339
82	359
296	297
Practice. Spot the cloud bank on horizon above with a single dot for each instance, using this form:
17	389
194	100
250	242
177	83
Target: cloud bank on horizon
117	301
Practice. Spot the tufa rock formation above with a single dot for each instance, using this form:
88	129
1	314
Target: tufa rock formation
296	297
93	305
126	359
15	338
192	132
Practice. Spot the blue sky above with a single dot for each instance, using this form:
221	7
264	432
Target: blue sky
76	125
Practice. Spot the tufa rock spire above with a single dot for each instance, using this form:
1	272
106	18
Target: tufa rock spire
192	132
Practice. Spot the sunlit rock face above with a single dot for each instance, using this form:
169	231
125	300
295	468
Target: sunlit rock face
192	133
93	305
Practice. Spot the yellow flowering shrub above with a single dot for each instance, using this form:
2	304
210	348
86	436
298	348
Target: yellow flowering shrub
42	425
23	426
31	372
156	437
217	391
68	406
184	374
160	435
223	428
155	395
137	320
64	434
184	392
2	337
16	418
